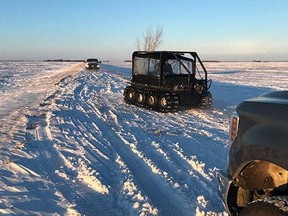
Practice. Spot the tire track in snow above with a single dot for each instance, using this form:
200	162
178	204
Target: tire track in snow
103	127
182	169
87	201
80	196
120	130
167	204
84	120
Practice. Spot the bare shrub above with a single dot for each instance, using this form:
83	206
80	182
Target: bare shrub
151	39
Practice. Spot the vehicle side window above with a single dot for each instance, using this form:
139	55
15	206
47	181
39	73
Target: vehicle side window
146	66
181	67
187	66
154	67
141	66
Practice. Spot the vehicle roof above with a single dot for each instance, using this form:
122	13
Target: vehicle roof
166	54
92	59
176	52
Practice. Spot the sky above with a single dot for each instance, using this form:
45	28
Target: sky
108	29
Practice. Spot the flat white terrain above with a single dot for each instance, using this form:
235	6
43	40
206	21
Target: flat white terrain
69	144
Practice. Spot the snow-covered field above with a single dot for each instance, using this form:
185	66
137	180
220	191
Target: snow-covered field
69	144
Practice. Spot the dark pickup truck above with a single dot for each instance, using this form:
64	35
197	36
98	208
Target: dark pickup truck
256	180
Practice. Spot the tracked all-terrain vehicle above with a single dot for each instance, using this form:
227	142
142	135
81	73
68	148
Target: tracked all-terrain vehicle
166	80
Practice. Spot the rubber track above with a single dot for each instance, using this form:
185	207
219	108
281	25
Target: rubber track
206	101
171	98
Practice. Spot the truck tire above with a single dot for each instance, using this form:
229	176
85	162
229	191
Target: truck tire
277	205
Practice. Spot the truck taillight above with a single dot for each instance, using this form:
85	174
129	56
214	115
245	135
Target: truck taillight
234	121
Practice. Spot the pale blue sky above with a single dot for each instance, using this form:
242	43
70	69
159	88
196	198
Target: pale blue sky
108	29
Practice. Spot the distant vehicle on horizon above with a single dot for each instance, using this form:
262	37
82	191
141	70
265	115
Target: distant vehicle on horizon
92	64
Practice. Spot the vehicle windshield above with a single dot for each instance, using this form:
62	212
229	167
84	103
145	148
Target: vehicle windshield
92	60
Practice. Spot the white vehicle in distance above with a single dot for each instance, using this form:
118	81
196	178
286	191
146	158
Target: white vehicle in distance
92	64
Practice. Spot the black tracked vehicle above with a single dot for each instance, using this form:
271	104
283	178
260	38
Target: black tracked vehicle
166	80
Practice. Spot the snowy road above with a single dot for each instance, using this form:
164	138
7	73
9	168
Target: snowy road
82	150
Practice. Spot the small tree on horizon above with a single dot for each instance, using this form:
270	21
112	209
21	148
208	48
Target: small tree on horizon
151	39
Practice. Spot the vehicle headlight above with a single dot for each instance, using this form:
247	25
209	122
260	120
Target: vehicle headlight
234	122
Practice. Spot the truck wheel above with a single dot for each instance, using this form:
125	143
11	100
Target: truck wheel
267	207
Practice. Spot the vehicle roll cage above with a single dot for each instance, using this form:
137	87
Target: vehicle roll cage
162	56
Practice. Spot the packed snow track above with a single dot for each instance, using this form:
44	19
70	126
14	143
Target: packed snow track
83	151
